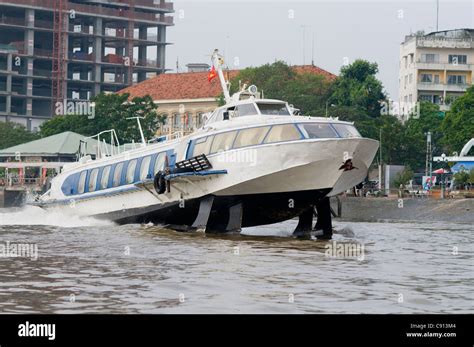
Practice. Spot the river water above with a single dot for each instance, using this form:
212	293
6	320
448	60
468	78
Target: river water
90	266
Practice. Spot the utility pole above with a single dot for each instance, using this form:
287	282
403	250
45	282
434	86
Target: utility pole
380	159
428	165
312	51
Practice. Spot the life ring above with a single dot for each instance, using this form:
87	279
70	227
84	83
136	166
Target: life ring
159	182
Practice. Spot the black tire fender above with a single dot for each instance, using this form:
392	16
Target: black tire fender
159	182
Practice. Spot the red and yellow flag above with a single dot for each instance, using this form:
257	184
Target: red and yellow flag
212	74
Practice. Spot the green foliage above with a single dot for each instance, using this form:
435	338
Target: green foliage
458	125
414	136
404	177
306	91
111	112
357	86
461	177
12	134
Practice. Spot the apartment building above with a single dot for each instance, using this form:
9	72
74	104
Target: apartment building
56	50
436	67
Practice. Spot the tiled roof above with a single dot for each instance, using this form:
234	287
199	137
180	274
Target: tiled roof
194	85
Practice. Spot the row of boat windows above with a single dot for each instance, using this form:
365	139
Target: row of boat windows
99	178
139	169
271	134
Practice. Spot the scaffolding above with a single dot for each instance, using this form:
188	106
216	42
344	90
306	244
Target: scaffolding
59	48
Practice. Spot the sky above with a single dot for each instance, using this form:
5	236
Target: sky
252	33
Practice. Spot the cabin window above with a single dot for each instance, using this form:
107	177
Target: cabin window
159	162
104	181
82	182
93	180
245	110
131	171
250	137
202	145
318	130
117	174
223	141
145	166
268	109
286	132
346	130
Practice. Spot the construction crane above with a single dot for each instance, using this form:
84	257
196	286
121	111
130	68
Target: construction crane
59	47
130	38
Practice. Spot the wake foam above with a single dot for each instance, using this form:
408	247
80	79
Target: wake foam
33	215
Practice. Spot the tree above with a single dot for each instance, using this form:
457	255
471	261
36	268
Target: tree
12	134
403	178
394	147
111	112
415	130
461	178
306	91
458	124
357	86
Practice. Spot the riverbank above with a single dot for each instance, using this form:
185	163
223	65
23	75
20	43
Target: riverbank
411	209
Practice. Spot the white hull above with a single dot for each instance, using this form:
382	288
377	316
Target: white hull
274	168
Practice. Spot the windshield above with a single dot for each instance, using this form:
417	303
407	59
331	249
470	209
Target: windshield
273	109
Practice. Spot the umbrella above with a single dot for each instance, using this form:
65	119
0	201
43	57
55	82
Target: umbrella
441	171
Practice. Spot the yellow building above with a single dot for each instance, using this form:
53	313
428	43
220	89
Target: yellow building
436	67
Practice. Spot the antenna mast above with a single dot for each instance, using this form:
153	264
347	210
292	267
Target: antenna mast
218	61
140	128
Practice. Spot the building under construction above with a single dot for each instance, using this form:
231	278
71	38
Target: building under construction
57	50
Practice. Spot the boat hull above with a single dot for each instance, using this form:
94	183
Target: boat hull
273	183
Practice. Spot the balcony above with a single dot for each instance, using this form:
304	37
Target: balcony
440	87
444	66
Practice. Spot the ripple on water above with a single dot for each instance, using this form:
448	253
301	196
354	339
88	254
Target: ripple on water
85	266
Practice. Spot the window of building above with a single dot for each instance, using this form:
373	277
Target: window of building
426	78
93	180
426	98
199	119
410	78
436	79
104	181
406	80
117	174
429	58
131	170
317	130
405	60
437	99
159	163
457	59
223	141
411	58
245	110
144	167
410	98
82	182
456	79
202	145
250	137
177	120
286	132
346	130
